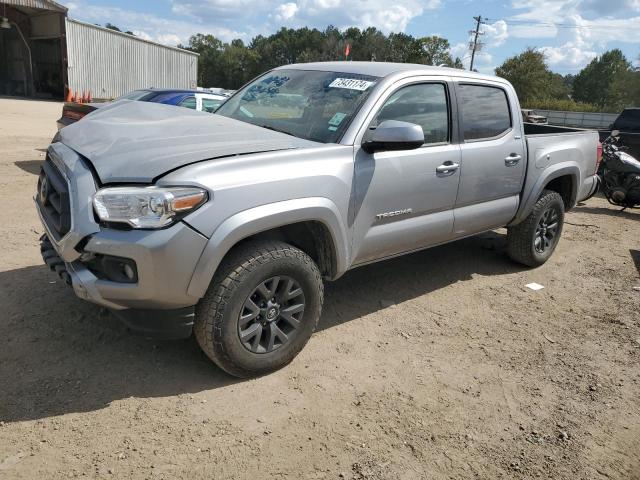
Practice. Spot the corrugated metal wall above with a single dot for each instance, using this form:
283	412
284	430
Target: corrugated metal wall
111	64
579	119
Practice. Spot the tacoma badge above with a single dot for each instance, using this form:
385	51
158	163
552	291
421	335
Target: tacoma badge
404	211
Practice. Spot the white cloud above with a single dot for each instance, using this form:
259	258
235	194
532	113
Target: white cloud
582	28
610	6
496	34
568	56
148	26
218	17
382	14
459	49
220	9
286	11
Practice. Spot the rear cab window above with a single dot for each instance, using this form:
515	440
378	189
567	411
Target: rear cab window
484	112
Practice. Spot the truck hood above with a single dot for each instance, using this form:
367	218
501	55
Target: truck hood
136	142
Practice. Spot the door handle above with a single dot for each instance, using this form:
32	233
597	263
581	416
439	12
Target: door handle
447	168
512	160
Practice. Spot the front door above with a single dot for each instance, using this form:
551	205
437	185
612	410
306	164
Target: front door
493	158
404	200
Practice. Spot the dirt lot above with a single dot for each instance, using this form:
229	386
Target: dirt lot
436	365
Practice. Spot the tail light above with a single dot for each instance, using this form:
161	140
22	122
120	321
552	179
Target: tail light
73	115
598	156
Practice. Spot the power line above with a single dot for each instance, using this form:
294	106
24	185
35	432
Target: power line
554	25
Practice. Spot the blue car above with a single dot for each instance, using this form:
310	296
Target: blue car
195	99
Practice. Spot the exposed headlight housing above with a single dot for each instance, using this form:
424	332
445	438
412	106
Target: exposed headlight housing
147	207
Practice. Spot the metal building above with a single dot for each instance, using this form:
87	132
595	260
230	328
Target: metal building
43	54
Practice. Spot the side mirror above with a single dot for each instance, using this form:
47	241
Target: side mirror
393	135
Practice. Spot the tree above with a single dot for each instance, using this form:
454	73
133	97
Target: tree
457	63
593	82
209	49
558	87
404	48
229	65
531	78
437	51
113	27
624	91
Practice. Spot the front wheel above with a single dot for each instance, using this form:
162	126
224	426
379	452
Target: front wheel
532	241
261	308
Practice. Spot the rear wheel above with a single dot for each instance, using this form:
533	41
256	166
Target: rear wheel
261	308
532	241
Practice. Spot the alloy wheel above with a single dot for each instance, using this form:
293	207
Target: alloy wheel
546	230
271	314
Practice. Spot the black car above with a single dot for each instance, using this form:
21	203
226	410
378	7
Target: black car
628	121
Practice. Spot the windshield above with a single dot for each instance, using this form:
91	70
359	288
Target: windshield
313	105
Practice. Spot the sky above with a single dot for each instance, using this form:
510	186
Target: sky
570	32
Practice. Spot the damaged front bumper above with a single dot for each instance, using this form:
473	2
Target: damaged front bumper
141	275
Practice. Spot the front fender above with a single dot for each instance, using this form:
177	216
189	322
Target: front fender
532	194
266	217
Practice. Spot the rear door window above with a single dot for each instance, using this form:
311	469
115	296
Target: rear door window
484	112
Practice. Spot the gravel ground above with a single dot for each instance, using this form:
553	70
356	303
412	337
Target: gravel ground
437	365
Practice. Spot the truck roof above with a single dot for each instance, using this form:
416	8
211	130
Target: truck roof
384	69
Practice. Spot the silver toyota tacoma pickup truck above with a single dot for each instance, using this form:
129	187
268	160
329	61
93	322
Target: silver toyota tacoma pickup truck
226	225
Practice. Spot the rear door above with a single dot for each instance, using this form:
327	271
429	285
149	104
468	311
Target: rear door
493	157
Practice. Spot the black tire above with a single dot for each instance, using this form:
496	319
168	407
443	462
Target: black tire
528	242
245	269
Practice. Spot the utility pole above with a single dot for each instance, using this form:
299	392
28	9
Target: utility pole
474	45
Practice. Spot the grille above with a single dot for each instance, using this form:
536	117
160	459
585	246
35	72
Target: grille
53	197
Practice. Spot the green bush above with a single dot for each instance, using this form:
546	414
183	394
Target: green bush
562	105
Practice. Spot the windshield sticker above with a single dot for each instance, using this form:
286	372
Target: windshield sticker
333	129
337	119
246	112
350	84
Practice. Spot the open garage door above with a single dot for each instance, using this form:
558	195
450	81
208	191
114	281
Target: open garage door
32	49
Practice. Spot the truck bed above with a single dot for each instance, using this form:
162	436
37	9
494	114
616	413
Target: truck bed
562	149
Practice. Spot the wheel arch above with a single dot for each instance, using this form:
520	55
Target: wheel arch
310	224
562	178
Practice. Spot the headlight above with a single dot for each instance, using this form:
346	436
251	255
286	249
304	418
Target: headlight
147	207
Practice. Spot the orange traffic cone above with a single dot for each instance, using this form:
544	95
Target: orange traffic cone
85	96
76	97
69	97
89	98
